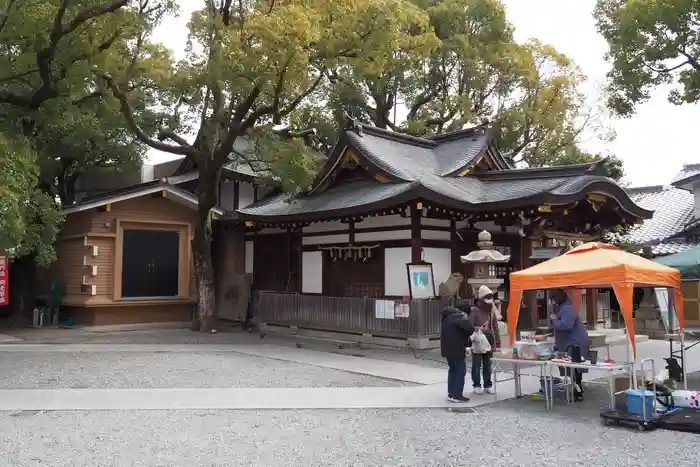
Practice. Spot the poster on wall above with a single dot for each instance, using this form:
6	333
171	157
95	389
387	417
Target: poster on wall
4	282
402	310
420	280
384	309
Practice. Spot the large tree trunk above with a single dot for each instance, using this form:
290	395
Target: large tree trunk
202	251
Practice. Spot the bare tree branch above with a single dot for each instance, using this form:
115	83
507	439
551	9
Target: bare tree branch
128	113
91	13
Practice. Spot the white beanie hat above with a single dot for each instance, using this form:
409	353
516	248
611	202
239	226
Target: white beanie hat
483	292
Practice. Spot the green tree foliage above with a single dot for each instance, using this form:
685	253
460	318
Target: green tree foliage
56	118
249	66
51	102
29	220
470	69
652	42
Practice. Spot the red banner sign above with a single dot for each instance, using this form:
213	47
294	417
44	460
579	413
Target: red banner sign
4	282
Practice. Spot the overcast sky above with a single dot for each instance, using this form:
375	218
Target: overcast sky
653	144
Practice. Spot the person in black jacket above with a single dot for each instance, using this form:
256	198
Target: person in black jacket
455	334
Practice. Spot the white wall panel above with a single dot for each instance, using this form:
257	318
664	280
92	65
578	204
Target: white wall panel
441	258
325	227
326	239
382	221
312	272
436	222
245	194
384	235
226	195
249	257
395	274
435	235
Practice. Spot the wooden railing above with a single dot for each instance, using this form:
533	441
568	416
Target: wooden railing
349	314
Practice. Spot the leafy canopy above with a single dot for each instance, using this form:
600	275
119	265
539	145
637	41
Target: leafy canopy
29	219
57	121
250	65
652	43
469	68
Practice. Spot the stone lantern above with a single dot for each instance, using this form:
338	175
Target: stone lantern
482	259
485	273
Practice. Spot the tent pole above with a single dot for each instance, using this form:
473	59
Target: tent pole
685	379
591	308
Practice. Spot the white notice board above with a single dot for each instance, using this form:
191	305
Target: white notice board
666	309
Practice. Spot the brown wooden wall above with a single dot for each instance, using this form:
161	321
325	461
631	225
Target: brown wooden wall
116	315
691	302
85	229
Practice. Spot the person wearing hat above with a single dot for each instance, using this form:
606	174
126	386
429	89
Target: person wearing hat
484	315
570	335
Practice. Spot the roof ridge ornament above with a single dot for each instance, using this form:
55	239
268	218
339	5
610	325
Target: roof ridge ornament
353	123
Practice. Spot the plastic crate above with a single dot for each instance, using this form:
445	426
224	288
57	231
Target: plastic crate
640	402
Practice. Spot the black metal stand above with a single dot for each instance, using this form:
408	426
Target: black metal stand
680	353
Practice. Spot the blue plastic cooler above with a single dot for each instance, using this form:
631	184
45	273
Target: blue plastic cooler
639	401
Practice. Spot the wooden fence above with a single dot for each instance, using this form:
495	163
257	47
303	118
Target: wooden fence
349	314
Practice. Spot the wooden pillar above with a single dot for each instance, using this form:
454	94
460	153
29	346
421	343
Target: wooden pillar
591	308
416	239
236	195
456	262
529	296
351	232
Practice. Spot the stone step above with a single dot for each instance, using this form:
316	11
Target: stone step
611	331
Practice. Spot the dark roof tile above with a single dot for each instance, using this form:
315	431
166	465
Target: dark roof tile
673	209
688	171
410	158
342	197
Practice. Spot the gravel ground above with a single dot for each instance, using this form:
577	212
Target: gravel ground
509	434
168	370
429	358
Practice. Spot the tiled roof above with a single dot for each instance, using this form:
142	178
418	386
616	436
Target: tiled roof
342	197
688	171
242	160
409	158
479	192
427	168
673	209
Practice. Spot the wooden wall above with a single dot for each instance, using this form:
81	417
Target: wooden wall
101	228
691	302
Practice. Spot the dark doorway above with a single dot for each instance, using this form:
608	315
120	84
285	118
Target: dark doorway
150	263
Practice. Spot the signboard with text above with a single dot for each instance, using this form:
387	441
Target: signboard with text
4	282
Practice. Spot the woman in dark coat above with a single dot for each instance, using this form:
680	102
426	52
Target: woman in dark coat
570	335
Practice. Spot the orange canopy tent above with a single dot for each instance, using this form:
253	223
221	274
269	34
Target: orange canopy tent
595	265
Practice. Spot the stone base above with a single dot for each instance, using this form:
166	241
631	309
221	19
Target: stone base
341	338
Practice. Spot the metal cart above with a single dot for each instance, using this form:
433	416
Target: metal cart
614	417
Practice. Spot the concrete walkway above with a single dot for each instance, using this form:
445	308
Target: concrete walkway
4	338
431	396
